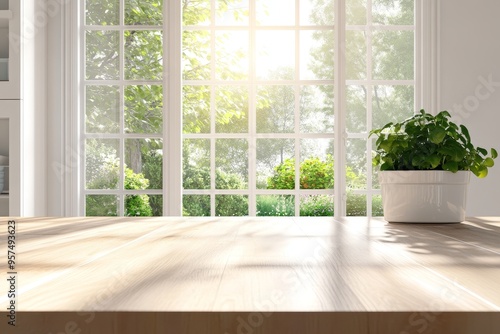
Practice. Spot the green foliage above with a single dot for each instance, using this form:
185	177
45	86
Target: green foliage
146	12
356	205
284	176
317	205
231	205
153	171
427	142
196	205
314	174
106	205
136	205
377	208
275	205
225	205
101	205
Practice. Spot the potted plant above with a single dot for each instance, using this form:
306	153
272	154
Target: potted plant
425	164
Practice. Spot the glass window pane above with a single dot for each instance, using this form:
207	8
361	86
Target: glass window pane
102	50
156	203
275	109
275	205
143	12
231	160
196	13
138	206
317	205
231	205
102	109
275	164
356	163
196	109
316	52
143	164
231	105
196	55
231	49
377	208
355	12
313	12
102	163
196	205
393	55
356	205
98	12
196	163
144	109
275	12
143	55
316	109
355	55
101	205
393	12
392	104
275	55
232	13
356	98
316	166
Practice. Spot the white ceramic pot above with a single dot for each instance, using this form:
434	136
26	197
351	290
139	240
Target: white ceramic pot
424	196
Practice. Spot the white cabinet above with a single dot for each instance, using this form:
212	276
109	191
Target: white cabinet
10	145
17	102
4	205
11	45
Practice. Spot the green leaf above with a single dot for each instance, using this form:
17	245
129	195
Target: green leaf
387	166
481	172
445	114
494	153
434	160
488	162
437	135
418	161
482	151
465	131
451	166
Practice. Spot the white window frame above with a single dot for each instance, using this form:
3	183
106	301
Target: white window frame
426	96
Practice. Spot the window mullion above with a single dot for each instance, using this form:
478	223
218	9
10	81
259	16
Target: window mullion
340	128
172	108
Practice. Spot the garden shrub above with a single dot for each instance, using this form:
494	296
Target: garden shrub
136	205
275	205
225	205
107	178
153	171
314	174
317	205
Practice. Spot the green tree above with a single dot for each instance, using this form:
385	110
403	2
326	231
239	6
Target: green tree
142	110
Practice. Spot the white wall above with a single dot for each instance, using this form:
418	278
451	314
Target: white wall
55	160
469	59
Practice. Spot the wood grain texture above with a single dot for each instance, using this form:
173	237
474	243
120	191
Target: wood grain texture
254	275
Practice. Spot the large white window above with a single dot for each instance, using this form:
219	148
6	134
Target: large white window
239	107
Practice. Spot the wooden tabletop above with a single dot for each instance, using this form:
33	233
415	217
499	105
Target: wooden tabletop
254	266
